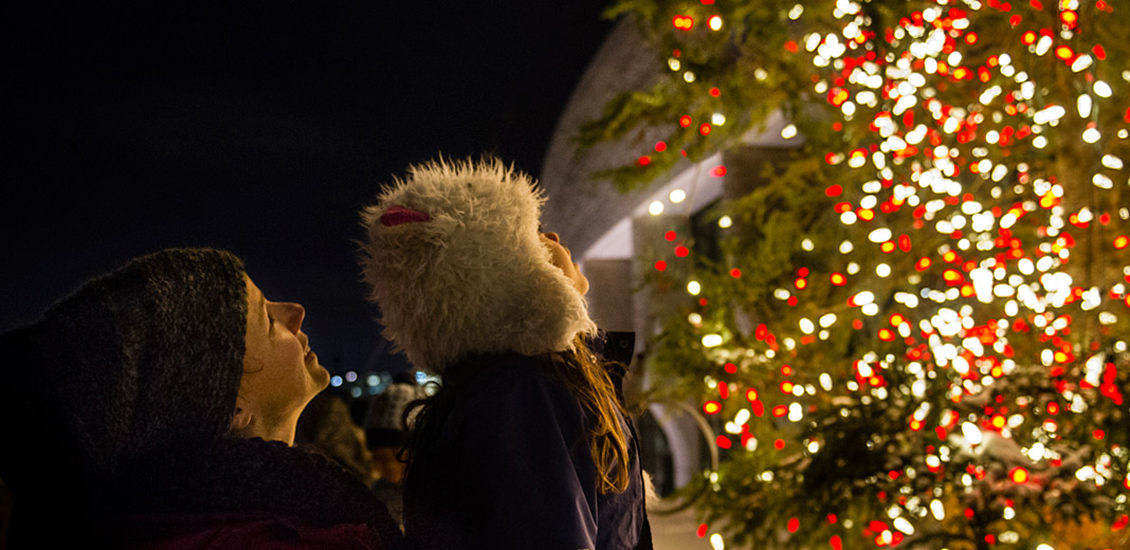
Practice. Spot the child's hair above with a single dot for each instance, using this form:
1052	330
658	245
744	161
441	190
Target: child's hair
586	378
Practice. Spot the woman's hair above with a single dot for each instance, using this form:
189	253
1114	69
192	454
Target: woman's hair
585	377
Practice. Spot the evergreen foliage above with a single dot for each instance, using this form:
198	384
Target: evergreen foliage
926	345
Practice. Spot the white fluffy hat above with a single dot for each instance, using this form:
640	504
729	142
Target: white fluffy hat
457	266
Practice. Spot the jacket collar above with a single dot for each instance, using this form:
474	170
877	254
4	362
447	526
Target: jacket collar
245	476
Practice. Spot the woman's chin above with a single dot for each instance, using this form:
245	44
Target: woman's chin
321	377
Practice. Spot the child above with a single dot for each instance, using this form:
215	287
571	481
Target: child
526	444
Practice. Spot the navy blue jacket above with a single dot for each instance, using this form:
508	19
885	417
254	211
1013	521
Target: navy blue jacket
506	464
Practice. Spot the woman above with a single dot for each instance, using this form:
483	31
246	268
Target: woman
155	408
526	444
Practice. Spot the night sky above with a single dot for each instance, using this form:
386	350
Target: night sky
262	128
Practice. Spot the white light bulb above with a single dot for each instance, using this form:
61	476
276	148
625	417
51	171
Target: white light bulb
1102	89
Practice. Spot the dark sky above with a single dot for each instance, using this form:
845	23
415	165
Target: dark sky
259	127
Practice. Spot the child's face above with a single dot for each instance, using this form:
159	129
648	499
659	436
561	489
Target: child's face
563	259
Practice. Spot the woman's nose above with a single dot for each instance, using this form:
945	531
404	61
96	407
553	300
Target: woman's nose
552	236
291	315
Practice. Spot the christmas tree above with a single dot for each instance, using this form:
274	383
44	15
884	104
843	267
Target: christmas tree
915	332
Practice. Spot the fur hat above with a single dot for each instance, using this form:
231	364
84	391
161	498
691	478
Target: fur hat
147	355
458	268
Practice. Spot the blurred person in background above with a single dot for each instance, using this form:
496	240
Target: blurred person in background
327	427
386	427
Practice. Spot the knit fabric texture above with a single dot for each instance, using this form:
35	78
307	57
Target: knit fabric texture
147	355
456	263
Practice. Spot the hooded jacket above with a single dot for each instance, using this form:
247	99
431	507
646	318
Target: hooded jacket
509	466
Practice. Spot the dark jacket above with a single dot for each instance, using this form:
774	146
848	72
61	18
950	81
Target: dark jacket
236	493
507	465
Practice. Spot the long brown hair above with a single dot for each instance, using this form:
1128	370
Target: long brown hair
585	376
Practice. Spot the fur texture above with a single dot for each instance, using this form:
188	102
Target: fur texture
476	277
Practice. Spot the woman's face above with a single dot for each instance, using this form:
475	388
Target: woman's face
280	373
563	259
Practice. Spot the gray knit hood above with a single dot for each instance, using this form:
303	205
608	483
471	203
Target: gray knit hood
148	355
